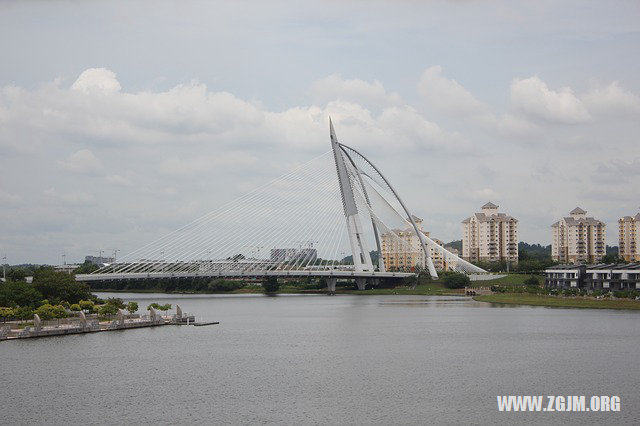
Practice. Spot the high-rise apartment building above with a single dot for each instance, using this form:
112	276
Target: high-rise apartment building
578	238
490	236
402	250
629	238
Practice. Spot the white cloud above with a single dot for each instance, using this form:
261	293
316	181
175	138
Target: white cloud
447	94
531	96
97	80
190	146
612	99
334	87
83	162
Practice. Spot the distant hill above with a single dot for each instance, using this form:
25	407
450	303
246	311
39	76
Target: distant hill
534	251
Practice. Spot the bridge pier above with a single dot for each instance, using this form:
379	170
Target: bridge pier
361	283
331	284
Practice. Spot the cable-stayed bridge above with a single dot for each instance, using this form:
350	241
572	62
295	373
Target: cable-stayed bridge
336	216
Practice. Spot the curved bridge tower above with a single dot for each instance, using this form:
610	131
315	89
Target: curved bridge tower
361	258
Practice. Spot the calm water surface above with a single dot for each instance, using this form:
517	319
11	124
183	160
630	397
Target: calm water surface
327	360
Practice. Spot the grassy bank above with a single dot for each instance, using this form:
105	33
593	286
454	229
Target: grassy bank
558	301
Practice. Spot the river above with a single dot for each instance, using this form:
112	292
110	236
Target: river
316	359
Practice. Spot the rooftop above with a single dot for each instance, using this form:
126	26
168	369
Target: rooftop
489	205
577	210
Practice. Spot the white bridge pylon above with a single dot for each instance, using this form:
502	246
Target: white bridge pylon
309	222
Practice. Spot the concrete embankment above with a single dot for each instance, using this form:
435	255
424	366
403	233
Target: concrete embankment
83	324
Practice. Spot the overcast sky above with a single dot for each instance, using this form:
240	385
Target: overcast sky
120	121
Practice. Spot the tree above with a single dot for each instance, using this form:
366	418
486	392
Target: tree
87	305
19	293
48	312
154	305
6	313
57	286
132	307
270	285
456	280
164	308
117	302
108	309
75	307
532	281
611	258
23	313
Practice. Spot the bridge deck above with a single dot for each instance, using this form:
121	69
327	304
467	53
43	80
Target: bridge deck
239	274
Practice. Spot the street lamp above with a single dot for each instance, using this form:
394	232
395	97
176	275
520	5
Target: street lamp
4	271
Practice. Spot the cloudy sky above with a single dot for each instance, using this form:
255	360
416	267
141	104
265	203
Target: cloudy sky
123	120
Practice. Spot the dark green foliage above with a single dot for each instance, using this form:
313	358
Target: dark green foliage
59	286
612	258
270	285
108	309
532	280
23	313
224	285
159	285
19	293
533	251
132	307
457	244
117	302
611	250
456	280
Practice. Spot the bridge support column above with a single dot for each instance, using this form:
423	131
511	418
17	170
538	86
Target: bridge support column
331	285
361	283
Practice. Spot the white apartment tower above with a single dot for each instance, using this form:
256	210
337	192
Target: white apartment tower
578	238
490	236
629	238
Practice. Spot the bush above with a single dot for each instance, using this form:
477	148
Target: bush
532	280
270	285
456	280
570	292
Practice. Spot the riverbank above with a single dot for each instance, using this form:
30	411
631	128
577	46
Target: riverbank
558	301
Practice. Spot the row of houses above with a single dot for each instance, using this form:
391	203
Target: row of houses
603	277
492	236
